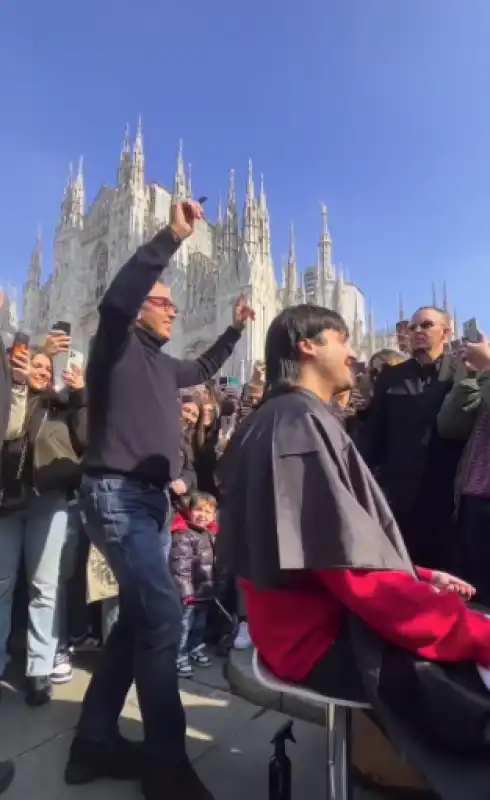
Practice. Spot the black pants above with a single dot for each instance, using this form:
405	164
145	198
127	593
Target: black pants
336	675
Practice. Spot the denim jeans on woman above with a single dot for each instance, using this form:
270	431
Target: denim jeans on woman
38	531
128	521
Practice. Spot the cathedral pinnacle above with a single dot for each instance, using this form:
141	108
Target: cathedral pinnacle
445	303
189	180
401	310
124	172
250	183
180	191
434	296
291	281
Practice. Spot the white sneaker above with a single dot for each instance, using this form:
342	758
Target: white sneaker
62	669
242	639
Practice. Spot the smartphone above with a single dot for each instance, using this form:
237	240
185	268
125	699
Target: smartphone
61	360
75	359
62	327
471	332
20	344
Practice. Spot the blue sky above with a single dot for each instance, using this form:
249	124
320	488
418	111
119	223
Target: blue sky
380	108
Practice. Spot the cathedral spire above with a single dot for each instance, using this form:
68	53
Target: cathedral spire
124	172
35	266
250	183
79	197
220	211
401	310
264	222
291	279
262	197
232	192
138	162
230	229
250	215
434	296
455	325
189	180
179	192
445	303
325	266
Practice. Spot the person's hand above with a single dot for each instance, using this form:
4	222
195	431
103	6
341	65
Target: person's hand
20	363
178	487
183	217
476	357
242	313
443	581
55	343
74	379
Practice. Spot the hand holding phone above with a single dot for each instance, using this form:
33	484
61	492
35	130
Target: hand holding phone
471	332
59	342
19	358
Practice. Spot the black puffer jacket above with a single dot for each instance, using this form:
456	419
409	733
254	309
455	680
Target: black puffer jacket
192	560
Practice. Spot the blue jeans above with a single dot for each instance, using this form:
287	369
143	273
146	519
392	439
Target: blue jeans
192	630
110	607
39	531
128	521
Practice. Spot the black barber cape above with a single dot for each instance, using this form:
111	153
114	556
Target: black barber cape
297	495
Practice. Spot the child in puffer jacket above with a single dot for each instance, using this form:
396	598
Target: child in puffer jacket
192	561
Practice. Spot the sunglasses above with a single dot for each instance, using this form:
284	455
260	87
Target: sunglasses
162	302
426	325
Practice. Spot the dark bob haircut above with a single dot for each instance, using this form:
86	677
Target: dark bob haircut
292	326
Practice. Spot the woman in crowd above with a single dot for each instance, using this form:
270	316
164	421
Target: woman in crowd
40	473
206	439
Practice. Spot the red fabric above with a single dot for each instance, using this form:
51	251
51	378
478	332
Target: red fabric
179	524
294	627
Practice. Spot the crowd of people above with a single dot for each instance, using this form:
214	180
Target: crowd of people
288	514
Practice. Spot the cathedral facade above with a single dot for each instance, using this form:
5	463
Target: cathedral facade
221	260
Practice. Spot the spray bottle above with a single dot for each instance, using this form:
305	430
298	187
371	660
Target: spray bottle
280	764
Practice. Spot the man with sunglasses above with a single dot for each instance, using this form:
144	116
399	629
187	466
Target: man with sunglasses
414	466
132	457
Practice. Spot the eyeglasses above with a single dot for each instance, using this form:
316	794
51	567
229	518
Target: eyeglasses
162	302
425	325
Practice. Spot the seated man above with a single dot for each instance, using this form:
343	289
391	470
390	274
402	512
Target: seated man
310	535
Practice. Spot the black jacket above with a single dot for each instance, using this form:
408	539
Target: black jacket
55	437
399	438
134	409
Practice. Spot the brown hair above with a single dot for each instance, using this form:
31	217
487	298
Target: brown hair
204	435
196	498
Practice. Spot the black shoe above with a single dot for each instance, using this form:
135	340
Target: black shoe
38	690
174	782
121	760
7	771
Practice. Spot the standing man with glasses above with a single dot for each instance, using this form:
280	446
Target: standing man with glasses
132	457
413	465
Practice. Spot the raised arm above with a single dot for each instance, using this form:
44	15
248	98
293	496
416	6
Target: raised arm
194	372
125	296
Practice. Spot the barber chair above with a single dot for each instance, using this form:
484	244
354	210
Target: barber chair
338	722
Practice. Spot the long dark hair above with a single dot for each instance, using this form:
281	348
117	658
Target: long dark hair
292	326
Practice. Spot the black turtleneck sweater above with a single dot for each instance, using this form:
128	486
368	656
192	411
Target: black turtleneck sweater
133	402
